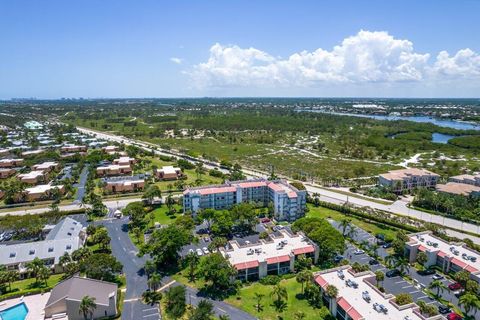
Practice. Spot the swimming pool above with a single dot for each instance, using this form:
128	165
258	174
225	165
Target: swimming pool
17	312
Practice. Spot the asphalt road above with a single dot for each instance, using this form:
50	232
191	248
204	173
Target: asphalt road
126	252
81	185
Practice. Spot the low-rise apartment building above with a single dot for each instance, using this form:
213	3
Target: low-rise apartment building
114	170
66	296
288	202
124	184
73	149
110	149
359	299
10	163
273	256
168	173
124	161
6	172
42	192
450	257
67	236
33	177
407	179
473	180
47	166
460	189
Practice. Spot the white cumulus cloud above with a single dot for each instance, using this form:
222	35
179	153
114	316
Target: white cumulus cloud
176	60
367	57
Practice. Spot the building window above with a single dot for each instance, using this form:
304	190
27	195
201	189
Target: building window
31	252
13	254
50	249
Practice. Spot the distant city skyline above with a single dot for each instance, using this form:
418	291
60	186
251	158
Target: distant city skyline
346	48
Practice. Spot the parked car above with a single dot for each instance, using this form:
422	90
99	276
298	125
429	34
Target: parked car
358	252
443	309
454	316
265	220
426	272
455	286
373	262
366	296
387	245
351	283
199	252
205	250
437	276
338	258
392	273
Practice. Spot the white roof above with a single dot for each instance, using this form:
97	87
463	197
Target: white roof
42	188
113	167
272	249
353	296
31	175
169	169
448	249
46	165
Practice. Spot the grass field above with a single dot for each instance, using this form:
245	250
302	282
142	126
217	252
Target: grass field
30	283
371	227
160	214
245	300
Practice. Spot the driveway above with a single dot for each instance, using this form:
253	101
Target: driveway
126	252
81	185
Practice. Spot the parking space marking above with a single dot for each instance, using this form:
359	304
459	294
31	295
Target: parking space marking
409	286
401	281
150	309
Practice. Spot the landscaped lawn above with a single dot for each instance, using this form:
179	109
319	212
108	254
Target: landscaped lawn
245	300
161	216
30	283
371	227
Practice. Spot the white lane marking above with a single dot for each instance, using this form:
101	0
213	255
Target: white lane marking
151	315
220	309
145	310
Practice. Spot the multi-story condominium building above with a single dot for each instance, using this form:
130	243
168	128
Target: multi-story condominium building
10	163
114	170
168	173
359	299
408	179
67	236
450	257
33	177
288	202
274	256
473	180
461	189
124	184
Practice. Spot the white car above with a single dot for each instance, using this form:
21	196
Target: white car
199	252
358	252
205	250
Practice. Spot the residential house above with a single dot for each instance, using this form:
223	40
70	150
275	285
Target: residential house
42	192
124	184
114	170
10	163
168	173
33	177
6	173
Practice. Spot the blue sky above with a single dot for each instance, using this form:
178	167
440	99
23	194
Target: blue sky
52	49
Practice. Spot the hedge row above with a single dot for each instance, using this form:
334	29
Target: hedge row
26	292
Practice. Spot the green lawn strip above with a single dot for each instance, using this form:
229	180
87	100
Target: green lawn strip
371	227
27	284
245	300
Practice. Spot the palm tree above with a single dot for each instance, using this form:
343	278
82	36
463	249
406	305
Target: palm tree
44	274
438	286
34	267
379	276
469	301
154	281
280	294
390	261
374	247
258	298
87	307
344	225
402	265
331	291
192	260
151	297
303	277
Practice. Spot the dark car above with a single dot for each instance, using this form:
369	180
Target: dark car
338	258
455	286
387	245
392	273
443	309
454	316
426	272
373	262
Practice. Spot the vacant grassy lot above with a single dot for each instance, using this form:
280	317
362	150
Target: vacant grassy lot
161	216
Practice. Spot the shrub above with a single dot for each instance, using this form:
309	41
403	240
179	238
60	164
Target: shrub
270	280
403	299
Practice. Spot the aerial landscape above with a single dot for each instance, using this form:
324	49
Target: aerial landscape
204	160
